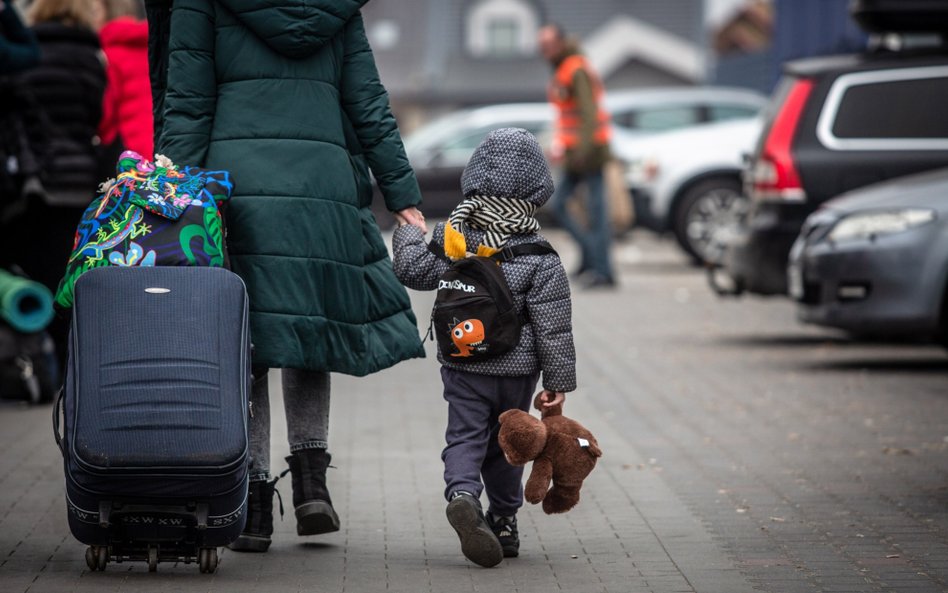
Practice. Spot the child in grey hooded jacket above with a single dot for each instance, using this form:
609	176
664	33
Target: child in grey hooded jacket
505	182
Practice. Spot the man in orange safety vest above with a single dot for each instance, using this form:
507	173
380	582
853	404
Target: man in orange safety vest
581	145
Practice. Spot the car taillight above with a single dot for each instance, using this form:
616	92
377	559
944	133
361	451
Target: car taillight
774	176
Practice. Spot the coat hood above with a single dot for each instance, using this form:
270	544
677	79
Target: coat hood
124	31
509	163
294	28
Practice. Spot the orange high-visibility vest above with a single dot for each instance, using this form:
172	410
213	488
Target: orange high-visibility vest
569	122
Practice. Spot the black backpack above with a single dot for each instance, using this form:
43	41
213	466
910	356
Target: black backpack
474	316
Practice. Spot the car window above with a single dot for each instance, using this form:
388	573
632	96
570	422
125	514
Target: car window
626	119
894	109
457	151
726	112
664	118
898	109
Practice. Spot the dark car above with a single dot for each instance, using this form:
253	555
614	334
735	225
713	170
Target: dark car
836	124
875	261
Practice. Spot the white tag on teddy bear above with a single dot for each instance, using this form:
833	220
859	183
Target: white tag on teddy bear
582	442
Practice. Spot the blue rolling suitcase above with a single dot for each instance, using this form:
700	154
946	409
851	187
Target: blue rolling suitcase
155	404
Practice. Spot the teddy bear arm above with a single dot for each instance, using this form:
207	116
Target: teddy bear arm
539	481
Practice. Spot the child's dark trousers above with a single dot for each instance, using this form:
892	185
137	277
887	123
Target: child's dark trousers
472	453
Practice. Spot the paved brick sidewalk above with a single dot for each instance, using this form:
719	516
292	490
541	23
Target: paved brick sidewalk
742	453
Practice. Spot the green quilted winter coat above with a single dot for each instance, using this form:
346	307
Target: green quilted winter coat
286	96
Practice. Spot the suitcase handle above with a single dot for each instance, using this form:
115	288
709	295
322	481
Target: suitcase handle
57	408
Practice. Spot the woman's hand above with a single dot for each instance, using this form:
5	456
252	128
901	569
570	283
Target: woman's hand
412	216
549	399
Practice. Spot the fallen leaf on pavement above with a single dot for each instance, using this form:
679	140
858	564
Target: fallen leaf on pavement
896	451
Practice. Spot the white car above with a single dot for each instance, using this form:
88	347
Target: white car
642	112
688	182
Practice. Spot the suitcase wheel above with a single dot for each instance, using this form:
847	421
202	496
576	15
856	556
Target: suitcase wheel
97	557
152	559
207	560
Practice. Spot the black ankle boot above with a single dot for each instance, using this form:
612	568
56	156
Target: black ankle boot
256	534
314	512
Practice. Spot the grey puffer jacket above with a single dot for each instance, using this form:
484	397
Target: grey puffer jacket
539	286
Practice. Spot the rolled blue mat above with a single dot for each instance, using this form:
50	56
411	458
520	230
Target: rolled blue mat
26	305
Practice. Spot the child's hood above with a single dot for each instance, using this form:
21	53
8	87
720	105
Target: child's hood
509	163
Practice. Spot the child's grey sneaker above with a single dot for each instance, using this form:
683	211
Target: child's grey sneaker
505	528
478	542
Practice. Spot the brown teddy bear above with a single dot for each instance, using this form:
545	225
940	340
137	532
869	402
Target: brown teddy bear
562	451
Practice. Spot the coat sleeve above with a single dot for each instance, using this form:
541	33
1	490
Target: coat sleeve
191	95
415	266
366	103
588	110
18	47
550	309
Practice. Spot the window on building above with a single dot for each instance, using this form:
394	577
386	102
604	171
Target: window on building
501	28
384	35
503	36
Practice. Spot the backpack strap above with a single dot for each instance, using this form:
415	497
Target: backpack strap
504	255
437	249
508	253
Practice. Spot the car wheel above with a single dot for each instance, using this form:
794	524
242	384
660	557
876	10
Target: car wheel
707	217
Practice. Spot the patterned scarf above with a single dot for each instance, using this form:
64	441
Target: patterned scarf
497	217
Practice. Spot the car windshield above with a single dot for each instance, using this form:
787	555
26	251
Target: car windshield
436	132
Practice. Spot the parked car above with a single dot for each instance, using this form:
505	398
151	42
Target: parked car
875	261
689	182
835	124
439	150
643	112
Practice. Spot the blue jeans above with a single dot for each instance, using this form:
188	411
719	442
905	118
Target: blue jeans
593	241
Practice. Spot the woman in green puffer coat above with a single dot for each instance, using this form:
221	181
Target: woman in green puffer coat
285	95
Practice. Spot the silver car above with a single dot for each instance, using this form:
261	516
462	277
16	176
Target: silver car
875	261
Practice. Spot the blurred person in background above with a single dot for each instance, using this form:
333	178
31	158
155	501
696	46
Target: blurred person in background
18	47
127	108
18	51
581	145
61	113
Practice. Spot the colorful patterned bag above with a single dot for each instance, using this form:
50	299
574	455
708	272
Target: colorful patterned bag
151	214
